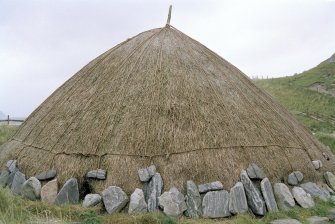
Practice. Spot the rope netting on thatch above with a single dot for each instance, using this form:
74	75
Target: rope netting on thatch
163	98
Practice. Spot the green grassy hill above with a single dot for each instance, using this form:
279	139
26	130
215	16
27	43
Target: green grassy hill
310	96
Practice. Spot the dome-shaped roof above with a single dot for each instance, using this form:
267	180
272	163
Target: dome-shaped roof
163	98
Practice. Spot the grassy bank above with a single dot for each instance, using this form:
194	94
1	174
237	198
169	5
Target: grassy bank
6	132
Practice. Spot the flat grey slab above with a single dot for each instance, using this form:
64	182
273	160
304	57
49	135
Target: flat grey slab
172	202
283	196
237	199
318	220
316	191
152	190
213	186
69	193
46	175
285	221
137	202
193	200
91	200
304	199
255	172
97	174
114	198
268	195
18	180
215	204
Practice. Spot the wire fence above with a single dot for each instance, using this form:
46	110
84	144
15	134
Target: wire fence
11	121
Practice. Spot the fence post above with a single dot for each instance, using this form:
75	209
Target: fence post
8	119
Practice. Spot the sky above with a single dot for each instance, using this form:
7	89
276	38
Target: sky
44	42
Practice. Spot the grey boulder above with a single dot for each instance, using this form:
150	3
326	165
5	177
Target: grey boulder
304	199
237	199
254	172
254	197
4	176
316	191
330	179
46	175
268	195
91	200
137	202
215	204
18	180
11	165
213	186
31	189
151	170
317	164
49	192
114	199
318	220
285	221
143	175
152	190
295	178
283	197
97	174
69	193
193	200
172	202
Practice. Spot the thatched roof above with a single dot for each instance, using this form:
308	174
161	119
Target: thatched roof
163	98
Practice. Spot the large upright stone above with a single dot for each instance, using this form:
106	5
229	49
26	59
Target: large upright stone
316	191
283	196
4	176
137	202
91	200
295	178
237	199
114	199
254	172
49	192
69	194
11	165
31	189
18	180
330	179
215	204
152	191
193	200
46	175
254	197
172	202
268	195
213	186
304	199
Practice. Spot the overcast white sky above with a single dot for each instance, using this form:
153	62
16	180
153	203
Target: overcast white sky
44	42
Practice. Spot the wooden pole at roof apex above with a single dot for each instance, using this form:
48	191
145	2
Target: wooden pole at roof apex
169	16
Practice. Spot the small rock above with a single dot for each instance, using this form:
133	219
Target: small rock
316	191
11	165
97	174
254	172
325	155
295	178
114	199
152	170
143	175
152	191
4	176
304	199
285	221
19	179
31	189
268	195
91	200
49	192
283	196
317	164
47	175
137	202
330	179
237	199
254	197
69	193
193	200
213	186
318	220
172	202
215	204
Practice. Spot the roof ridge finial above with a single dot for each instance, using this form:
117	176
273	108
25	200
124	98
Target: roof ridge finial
169	16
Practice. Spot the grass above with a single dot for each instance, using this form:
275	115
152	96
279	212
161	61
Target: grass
6	132
313	109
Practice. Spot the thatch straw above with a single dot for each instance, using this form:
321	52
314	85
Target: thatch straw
163	98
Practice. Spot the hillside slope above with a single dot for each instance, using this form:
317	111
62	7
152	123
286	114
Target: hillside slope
310	96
